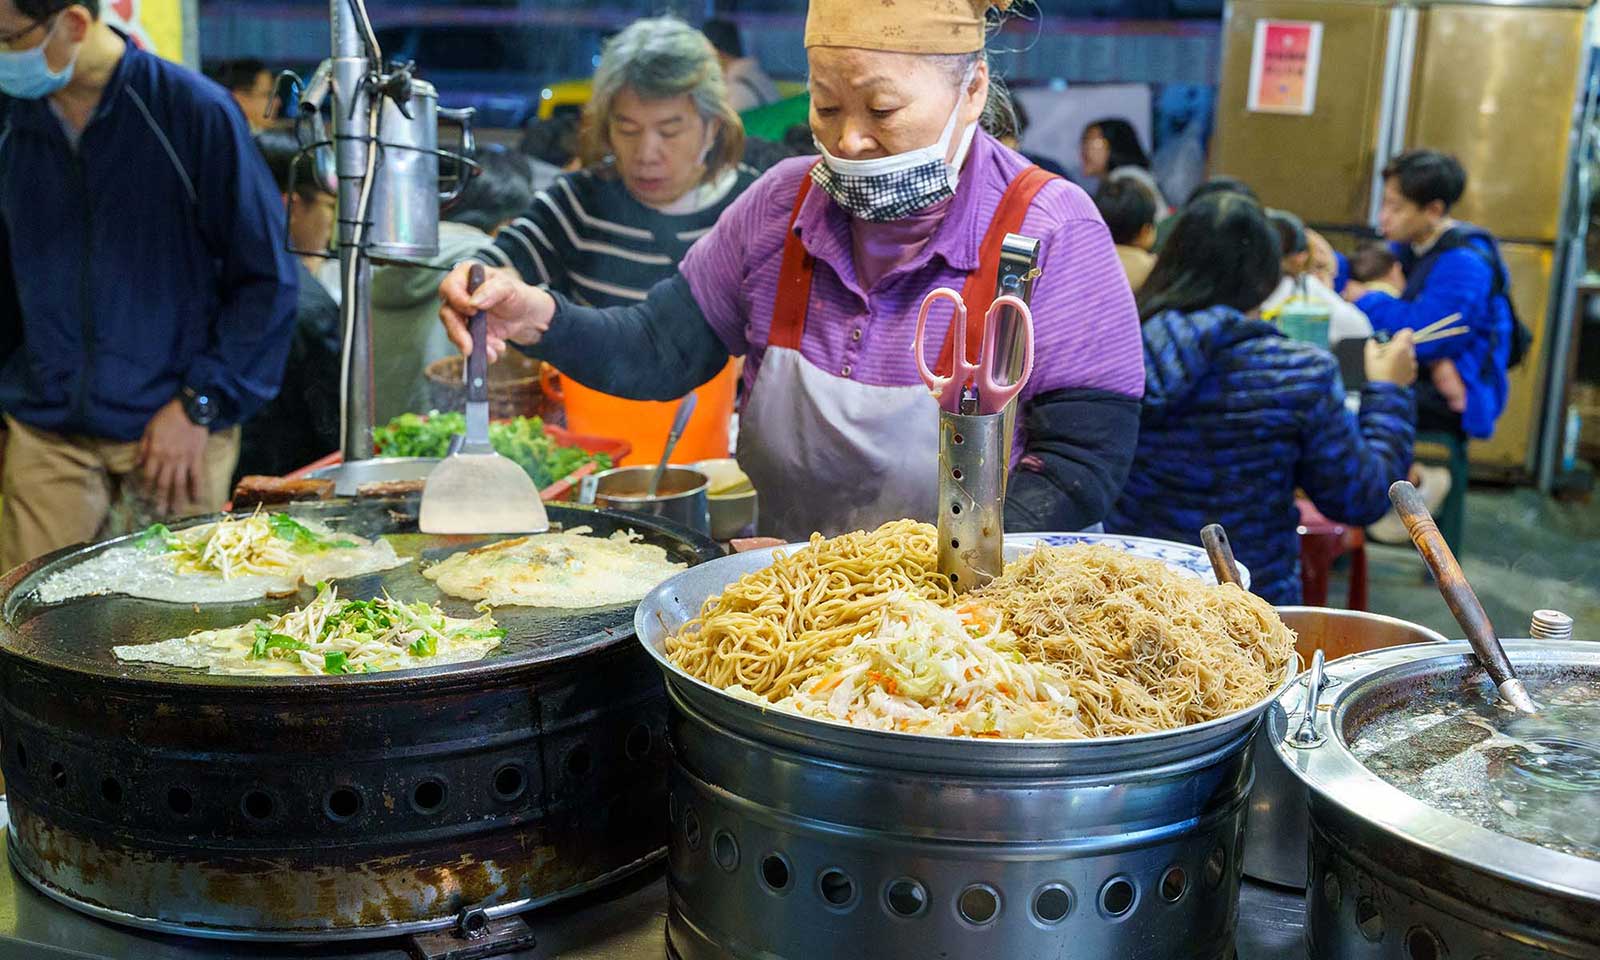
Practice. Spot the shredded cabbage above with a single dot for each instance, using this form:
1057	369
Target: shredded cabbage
937	671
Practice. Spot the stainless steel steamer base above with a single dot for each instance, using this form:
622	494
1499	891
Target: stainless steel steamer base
296	808
794	839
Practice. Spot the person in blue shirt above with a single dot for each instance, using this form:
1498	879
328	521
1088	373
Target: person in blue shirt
1236	415
1451	268
146	295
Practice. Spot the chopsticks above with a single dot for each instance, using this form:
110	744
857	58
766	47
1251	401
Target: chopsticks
1436	326
1433	331
1440	335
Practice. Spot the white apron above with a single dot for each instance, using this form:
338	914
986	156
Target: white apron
830	455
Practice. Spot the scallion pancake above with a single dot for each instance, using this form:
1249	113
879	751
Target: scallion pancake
569	570
234	560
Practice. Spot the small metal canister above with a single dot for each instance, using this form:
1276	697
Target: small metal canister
680	497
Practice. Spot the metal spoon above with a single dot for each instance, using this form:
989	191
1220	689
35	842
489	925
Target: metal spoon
1459	595
685	411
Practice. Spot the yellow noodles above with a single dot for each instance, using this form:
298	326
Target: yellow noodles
1145	648
775	628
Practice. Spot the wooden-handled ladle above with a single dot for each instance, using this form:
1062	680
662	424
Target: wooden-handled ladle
1220	551
1459	595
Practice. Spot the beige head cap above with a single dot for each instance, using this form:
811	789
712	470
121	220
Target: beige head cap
903	26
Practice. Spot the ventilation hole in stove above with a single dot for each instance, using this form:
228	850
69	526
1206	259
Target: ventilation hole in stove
1422	944
429	796
1174	884
258	805
639	742
1331	891
906	898
111	791
955	544
58	775
509	783
1117	897
580	761
979	904
726	850
1368	920
836	887
691	828
955	508
180	801
22	755
1052	904
342	803
775	872
1216	867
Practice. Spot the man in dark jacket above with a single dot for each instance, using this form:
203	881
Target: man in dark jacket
146	298
1451	268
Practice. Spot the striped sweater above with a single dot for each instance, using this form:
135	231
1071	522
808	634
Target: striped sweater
588	238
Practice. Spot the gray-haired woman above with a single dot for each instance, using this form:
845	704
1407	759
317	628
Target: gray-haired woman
660	147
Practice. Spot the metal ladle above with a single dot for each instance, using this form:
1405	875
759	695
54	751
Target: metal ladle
679	424
1459	595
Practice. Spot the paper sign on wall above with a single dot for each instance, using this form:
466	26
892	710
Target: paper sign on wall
1283	66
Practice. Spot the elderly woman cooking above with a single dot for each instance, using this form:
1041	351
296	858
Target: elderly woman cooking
814	276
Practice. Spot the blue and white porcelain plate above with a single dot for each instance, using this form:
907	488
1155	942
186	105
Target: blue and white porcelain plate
1182	557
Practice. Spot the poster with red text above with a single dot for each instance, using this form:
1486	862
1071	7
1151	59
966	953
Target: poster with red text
1283	66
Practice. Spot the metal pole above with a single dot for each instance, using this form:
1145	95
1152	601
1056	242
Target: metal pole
350	118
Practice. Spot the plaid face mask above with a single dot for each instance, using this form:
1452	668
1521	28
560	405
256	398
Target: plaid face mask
889	188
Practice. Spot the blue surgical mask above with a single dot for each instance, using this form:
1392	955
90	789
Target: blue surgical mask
26	75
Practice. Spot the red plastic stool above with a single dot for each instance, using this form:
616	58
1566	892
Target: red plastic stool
1321	542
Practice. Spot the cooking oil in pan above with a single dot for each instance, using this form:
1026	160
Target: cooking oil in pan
1535	778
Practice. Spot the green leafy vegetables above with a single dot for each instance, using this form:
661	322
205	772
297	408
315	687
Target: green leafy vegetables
522	440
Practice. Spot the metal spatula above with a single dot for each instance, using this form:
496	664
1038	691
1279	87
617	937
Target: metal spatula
475	490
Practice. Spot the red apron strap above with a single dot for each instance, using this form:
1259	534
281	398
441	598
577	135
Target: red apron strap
794	283
979	290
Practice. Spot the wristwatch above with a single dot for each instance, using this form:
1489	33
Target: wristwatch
200	407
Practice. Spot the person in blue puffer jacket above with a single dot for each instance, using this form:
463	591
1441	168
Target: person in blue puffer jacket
1236	416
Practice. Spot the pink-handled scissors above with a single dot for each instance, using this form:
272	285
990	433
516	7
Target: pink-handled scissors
992	395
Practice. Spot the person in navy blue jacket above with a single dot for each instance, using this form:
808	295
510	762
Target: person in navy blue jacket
146	295
1451	267
1236	416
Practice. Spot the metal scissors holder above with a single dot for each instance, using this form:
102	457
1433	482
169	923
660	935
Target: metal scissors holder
973	454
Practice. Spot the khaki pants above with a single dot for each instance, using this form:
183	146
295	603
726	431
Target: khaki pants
61	490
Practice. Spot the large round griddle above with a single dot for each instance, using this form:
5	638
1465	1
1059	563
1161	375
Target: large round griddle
77	635
292	808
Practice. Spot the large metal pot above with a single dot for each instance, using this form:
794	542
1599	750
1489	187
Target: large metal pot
793	838
1276	835
1393	874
